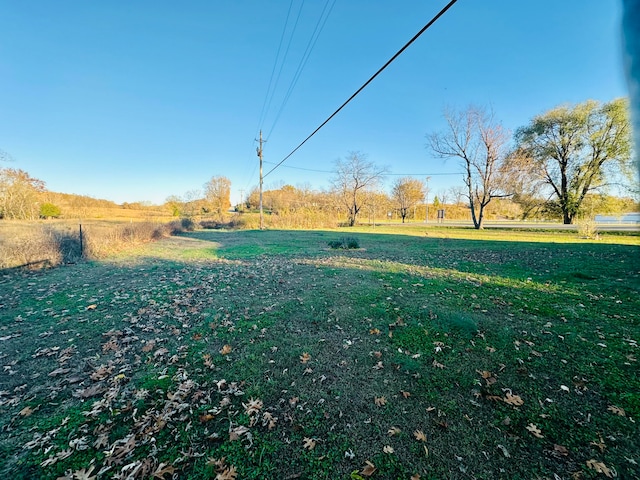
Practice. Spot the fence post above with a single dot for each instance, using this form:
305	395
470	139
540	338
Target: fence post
81	243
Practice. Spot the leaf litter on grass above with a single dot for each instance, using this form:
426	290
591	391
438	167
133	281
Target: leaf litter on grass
143	392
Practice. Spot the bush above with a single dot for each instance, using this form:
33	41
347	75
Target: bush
188	225
235	223
588	229
347	243
49	210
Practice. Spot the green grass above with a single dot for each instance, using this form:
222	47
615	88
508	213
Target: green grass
473	338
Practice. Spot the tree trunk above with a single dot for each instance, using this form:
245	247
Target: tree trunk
567	217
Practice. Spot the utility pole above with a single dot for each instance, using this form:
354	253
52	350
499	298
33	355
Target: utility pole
241	199
259	150
426	205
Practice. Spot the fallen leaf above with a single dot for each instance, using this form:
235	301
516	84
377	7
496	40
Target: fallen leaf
561	450
374	331
505	452
437	365
535	431
26	411
227	474
236	433
513	399
84	474
380	401
162	470
92	306
226	350
612	408
369	469
387	449
305	357
600	468
405	394
394	431
420	436
308	443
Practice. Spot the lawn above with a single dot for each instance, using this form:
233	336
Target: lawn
424	354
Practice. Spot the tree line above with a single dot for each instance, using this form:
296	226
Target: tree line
561	164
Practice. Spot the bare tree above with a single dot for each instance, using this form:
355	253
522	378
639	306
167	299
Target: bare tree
407	192
354	177
478	141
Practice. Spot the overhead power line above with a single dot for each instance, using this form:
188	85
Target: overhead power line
397	54
382	174
322	20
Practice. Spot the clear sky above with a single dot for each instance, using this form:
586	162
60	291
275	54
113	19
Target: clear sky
139	100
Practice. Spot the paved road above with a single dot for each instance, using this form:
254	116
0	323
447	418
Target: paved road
603	227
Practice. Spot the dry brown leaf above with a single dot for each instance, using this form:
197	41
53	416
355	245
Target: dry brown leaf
26	411
236	433
308	443
162	470
374	331
305	357
227	474
405	394
600	468
612	408
226	350
535	431
387	449
252	406
561	450
415	477
513	399
380	401
437	364
394	431
59	371
420	436
377	354
368	470
84	474
92	306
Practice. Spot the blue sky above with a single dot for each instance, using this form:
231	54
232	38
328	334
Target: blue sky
134	101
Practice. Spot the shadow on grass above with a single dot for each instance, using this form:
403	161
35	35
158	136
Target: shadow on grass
405	314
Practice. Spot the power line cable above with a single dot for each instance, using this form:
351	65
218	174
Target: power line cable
322	20
382	175
275	64
398	53
284	60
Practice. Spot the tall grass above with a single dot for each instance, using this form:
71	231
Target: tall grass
37	244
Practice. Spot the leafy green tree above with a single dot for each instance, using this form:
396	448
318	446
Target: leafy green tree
572	151
49	210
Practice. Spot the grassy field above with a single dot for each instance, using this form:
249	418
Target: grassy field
425	354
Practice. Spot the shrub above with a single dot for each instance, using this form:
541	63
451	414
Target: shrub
588	228
347	243
49	210
188	224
